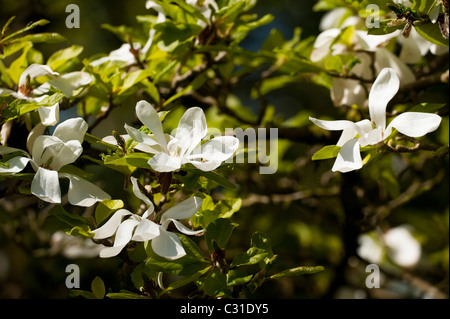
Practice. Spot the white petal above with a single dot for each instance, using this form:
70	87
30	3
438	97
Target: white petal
205	166
84	193
16	164
386	59
109	252
140	137
323	43
163	162
125	232
383	90
218	149
349	157
183	210
147	114
37	131
183	229
45	185
361	128
416	124
35	71
373	137
4	91
137	192
71	129
110	227
49	114
332	125
69	82
146	230
61	154
191	129
168	245
347	92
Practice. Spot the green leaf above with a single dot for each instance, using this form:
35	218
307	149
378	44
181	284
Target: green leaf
214	177
124	295
186	280
220	230
71	219
209	212
426	107
215	284
27	28
59	58
133	78
106	208
293	272
237	277
98	288
327	152
133	160
41	38
432	33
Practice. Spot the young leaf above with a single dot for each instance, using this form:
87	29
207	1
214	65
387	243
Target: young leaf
327	152
298	272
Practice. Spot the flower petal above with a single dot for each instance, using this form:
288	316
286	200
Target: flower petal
415	124
349	157
140	136
183	229
383	90
16	164
137	192
191	129
168	245
49	114
110	227
45	185
146	230
71	129
35	71
183	210
69	82
49	150
83	193
147	114
123	237
218	149
163	162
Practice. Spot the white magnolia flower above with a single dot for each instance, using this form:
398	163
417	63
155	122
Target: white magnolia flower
185	147
365	132
123	54
67	83
49	155
141	229
370	50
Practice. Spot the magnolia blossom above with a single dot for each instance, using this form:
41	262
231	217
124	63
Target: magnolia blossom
171	152
372	54
49	155
123	54
365	132
67	83
141	229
